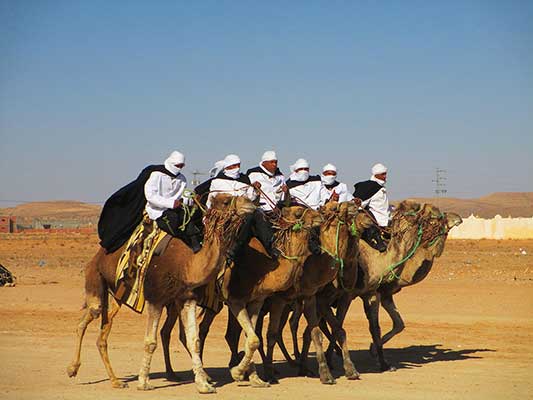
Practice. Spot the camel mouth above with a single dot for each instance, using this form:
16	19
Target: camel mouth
453	219
246	209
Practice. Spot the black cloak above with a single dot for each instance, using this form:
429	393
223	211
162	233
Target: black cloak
123	211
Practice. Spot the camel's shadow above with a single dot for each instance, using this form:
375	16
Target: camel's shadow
365	363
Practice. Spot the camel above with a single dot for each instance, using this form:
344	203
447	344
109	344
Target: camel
170	278
318	271
418	236
339	236
254	277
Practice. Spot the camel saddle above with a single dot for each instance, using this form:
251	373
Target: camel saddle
146	241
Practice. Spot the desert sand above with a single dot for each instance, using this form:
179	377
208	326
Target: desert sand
469	327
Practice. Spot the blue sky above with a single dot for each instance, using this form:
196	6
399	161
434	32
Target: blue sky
92	91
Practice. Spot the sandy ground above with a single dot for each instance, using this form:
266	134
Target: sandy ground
469	329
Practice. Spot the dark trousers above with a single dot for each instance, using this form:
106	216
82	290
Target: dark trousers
171	221
258	225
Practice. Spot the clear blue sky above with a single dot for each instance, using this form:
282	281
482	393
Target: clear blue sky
92	91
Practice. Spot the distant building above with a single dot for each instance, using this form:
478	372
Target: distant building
8	224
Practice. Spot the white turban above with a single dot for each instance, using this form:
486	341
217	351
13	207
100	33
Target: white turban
379	169
269	156
174	158
300	163
231	159
219	166
329	167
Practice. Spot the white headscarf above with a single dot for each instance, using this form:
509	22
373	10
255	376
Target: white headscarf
174	158
379	169
301	175
329	179
269	156
219	166
232	159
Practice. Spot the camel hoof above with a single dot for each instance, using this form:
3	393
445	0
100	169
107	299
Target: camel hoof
237	375
353	377
118	384
273	380
329	380
205	388
145	386
257	382
72	370
350	372
326	378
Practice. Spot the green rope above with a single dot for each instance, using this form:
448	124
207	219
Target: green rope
391	268
336	258
353	229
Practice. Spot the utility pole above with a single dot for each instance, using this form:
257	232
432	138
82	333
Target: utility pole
196	174
440	184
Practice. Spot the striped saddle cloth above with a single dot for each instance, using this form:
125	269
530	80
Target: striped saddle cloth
133	263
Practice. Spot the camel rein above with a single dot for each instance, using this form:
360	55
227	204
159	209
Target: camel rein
390	270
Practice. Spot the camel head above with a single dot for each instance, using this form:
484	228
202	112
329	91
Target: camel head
437	226
405	224
294	228
226	216
239	205
335	228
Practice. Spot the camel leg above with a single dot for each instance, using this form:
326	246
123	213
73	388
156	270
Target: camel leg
101	342
281	343
252	341
303	369
150	344
340	334
259	333
398	325
294	322
166	331
329	335
276	311
233	333
92	311
343	304
371	305
206	318
310	313
188	316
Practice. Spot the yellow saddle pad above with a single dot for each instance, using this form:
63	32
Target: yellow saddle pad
133	263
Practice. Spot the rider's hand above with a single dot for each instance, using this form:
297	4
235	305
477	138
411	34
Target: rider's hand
357	201
177	203
256	184
334	196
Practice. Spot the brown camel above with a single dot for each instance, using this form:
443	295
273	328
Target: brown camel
418	236
170	278
339	237
254	277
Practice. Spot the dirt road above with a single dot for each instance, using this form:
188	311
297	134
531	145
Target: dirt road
469	329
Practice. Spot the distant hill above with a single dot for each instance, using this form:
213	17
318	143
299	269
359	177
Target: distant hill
54	210
506	204
514	204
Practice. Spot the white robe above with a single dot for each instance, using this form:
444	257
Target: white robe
342	190
233	187
378	204
312	193
161	191
270	185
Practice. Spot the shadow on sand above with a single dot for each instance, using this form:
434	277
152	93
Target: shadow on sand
401	358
